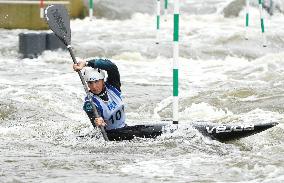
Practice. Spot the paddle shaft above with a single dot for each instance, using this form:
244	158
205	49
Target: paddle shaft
96	114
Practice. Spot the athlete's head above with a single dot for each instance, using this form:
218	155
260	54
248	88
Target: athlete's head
94	79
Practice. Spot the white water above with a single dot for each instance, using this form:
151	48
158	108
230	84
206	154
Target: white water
223	79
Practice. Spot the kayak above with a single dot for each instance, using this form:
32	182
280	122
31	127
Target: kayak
220	132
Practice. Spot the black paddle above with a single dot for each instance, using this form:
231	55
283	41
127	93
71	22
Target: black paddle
58	21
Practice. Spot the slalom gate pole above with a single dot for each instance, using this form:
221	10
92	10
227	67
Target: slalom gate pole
175	61
158	21
91	9
166	10
260	5
41	6
247	19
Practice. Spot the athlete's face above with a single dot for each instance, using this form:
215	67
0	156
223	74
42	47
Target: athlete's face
96	86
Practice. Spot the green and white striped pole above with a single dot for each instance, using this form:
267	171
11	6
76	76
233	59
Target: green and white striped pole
175	61
166	10
260	2
91	8
158	21
247	19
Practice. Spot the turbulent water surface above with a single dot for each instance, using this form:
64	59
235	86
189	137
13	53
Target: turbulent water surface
223	79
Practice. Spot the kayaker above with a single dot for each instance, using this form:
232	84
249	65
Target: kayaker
106	94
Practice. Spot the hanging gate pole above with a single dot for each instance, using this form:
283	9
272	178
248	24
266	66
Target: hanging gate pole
175	61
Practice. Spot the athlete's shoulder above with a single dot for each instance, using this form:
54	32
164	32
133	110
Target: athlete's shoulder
113	89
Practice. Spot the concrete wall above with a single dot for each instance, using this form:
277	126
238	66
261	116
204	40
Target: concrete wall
27	16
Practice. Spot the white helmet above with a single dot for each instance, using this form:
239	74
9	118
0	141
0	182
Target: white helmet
91	74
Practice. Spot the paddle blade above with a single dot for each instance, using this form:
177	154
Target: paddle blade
58	21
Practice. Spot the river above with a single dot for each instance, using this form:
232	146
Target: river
223	78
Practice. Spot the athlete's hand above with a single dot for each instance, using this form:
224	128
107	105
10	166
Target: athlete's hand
100	121
79	66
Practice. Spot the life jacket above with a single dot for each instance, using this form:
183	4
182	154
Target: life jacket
112	111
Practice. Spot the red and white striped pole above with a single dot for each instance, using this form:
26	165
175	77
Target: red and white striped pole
41	9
